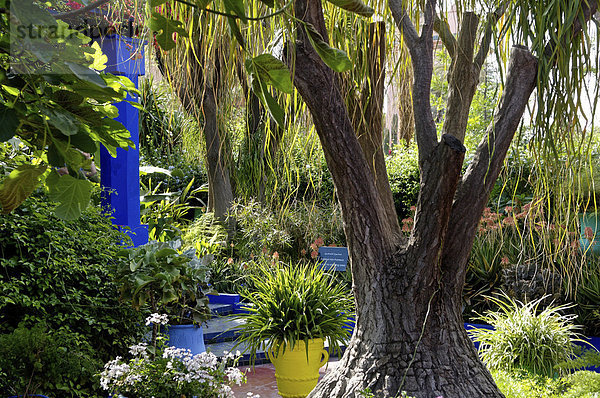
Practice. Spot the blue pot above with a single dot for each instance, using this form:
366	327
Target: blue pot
186	336
590	220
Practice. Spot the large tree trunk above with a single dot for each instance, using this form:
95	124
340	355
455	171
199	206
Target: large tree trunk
219	183
199	93
409	334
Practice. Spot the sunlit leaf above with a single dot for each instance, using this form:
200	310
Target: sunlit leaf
355	6
167	28
18	185
236	7
72	194
271	71
334	58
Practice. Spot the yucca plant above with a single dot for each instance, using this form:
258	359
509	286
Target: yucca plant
292	304
525	337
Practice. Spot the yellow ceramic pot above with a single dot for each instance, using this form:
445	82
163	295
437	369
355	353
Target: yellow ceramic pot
296	376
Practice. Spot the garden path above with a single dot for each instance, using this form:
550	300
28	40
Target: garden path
261	380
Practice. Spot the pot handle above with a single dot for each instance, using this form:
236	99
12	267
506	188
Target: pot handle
271	354
325	355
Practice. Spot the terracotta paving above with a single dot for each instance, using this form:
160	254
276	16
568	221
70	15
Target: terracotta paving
261	380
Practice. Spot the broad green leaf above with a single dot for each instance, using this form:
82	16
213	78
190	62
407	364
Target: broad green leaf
355	6
98	58
84	142
275	110
64	121
334	58
86	74
67	99
236	7
268	3
18	185
166	27
201	4
272	71
72	194
9	122
235	31
168	296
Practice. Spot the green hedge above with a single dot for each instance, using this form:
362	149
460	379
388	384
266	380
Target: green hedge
58	273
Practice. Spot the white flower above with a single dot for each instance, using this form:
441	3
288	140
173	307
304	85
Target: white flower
159	319
139	349
235	375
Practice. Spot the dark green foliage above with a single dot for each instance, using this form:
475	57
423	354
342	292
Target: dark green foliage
526	337
57	272
38	361
403	173
182	172
588	297
156	275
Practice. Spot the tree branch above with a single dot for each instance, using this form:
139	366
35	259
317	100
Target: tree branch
443	29
480	177
463	79
487	37
430	14
421	51
81	10
404	23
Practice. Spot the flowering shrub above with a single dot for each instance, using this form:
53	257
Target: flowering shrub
169	372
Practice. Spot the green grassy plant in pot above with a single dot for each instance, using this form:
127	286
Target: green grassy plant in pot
293	311
158	277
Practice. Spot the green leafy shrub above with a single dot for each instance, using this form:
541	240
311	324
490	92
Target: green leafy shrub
404	177
39	361
158	276
206	235
260	230
169	372
58	273
524	338
167	213
520	384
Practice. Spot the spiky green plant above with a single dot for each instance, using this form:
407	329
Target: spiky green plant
292	304
525	338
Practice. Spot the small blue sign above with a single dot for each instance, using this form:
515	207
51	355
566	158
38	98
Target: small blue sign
333	258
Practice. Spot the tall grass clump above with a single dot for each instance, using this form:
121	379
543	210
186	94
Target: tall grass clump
296	303
526	338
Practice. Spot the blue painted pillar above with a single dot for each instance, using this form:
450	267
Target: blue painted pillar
120	177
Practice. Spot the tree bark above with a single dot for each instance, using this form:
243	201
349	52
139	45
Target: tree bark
219	183
370	127
409	334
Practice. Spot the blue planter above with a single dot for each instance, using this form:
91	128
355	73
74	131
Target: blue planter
223	298
186	336
590	220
